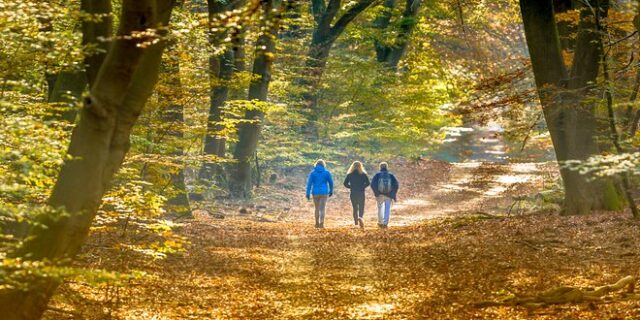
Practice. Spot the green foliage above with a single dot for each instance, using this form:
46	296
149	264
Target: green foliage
601	166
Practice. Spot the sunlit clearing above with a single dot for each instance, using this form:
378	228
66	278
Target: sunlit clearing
511	179
373	310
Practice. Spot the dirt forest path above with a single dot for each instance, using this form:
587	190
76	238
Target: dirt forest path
448	246
432	190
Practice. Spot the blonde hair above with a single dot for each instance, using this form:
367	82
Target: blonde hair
320	162
357	165
384	165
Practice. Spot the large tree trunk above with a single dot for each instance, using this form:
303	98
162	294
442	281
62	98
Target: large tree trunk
249	132
569	114
98	145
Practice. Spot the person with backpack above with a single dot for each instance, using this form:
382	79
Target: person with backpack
357	181
320	186
385	187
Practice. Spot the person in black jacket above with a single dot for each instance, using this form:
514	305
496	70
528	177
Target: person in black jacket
385	187
357	180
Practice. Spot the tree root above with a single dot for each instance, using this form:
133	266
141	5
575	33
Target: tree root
562	295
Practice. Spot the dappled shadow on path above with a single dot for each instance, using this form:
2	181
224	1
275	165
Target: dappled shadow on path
432	270
434	261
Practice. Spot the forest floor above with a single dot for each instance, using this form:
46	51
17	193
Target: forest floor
451	243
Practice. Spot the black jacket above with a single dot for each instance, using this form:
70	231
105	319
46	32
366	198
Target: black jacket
357	182
394	184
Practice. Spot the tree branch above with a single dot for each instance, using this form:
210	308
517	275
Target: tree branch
324	25
348	16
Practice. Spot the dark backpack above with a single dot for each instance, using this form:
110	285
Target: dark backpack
384	183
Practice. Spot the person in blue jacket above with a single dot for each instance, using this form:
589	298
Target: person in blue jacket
320	186
385	187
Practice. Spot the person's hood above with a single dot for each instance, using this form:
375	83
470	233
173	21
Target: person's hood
319	168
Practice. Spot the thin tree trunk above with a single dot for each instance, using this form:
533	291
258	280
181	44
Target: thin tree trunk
634	118
68	86
615	136
238	47
98	145
293	9
258	174
221	70
567	28
96	32
173	117
382	22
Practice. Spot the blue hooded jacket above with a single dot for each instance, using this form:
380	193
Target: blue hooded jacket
319	182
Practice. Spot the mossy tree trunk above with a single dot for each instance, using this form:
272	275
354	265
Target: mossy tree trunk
98	145
566	99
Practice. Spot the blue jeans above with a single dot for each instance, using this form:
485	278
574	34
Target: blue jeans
384	209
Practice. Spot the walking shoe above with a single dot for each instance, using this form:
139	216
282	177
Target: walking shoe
361	223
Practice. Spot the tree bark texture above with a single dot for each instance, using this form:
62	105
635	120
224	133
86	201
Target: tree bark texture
249	132
222	68
564	95
98	145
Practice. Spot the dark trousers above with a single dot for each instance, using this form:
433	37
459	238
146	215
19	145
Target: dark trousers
357	201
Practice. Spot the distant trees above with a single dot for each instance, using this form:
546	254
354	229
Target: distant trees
174	126
327	28
96	29
222	67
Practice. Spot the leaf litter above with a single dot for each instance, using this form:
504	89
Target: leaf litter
450	246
